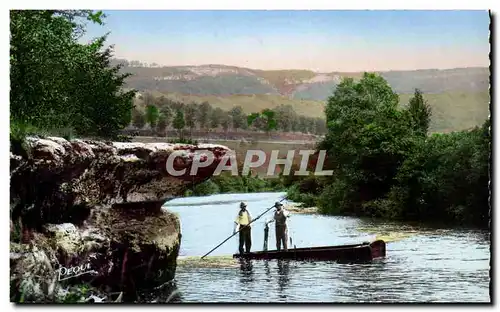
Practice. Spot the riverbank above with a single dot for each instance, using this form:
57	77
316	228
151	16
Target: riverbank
226	183
296	208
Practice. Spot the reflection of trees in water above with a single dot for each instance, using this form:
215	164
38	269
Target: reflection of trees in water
283	274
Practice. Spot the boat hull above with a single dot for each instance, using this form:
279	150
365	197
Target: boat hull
346	253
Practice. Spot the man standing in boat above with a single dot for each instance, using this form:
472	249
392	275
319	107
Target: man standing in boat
280	216
243	221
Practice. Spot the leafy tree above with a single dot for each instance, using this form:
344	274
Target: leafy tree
190	111
269	117
420	113
65	84
162	123
319	126
368	137
445	179
138	119
285	114
311	124
216	117
166	112
385	166
237	117
295	123
179	122
244	124
252	118
303	124
225	122
204	114
264	120
152	115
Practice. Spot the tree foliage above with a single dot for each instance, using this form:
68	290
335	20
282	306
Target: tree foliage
237	117
179	122
204	116
216	118
57	82
190	112
385	165
138	118
152	115
420	113
264	120
161	126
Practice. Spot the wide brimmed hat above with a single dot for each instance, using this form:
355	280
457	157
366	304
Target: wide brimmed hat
243	205
278	204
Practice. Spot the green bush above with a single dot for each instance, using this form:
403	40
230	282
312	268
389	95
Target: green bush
66	87
206	188
183	141
385	165
226	183
305	199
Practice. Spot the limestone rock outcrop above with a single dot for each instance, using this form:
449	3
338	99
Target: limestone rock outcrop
97	205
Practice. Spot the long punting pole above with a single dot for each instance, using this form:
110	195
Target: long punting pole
241	229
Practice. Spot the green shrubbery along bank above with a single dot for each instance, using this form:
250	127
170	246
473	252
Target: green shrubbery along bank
385	164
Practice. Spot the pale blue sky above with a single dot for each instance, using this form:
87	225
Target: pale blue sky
317	40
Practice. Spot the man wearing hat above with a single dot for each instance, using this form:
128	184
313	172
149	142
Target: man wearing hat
280	216
243	221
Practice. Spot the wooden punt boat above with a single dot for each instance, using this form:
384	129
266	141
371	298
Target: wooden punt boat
345	253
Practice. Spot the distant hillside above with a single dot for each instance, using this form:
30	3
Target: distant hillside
459	97
300	84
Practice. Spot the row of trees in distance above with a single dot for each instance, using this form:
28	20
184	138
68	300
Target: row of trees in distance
161	113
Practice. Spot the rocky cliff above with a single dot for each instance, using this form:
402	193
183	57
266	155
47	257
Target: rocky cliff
96	207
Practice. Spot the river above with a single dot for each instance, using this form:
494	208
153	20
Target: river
422	264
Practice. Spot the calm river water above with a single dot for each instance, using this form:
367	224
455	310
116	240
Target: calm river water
422	265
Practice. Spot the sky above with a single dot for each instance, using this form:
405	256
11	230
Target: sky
322	41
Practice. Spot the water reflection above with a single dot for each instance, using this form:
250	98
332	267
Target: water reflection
267	270
283	275
246	269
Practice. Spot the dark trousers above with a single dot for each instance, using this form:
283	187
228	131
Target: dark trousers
281	237
245	238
